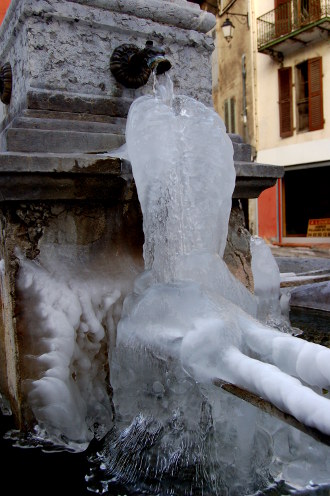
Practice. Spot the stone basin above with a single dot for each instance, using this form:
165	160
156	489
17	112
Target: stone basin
36	176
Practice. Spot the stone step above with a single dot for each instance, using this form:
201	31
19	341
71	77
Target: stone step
292	280
74	116
78	103
55	141
68	125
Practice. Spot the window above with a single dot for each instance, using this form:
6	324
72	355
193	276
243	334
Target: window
309	99
230	115
306	197
283	21
302	97
309	10
309	95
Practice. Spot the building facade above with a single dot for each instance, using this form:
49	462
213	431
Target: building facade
294	88
272	86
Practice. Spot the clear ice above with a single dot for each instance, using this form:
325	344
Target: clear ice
186	304
188	321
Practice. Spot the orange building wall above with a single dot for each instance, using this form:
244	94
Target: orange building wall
4	4
267	214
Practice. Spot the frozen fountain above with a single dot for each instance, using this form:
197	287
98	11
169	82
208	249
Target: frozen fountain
190	326
154	370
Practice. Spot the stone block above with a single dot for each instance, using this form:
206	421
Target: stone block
55	141
61	50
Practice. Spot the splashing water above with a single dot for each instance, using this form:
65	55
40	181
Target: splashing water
189	321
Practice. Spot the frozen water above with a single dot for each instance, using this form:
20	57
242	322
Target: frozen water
273	304
266	278
187	306
70	317
188	321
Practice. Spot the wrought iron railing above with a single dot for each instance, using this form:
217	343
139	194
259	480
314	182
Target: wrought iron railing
290	17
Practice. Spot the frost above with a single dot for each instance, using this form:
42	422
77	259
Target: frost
67	316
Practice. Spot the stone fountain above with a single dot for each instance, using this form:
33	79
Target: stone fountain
65	204
119	335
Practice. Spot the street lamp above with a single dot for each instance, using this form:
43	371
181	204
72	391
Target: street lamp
228	29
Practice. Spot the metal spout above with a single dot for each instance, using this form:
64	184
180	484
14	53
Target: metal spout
159	63
132	66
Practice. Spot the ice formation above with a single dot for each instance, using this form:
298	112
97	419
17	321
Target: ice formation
188	321
187	305
70	316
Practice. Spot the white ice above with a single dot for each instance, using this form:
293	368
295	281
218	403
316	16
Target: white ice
66	314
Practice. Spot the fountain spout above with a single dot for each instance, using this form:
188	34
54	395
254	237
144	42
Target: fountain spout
132	66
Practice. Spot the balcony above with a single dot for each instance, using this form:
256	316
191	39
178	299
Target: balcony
293	25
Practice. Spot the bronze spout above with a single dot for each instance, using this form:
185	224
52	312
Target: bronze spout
132	66
5	83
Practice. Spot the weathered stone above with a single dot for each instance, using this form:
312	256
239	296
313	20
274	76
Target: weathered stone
237	253
59	233
62	52
54	141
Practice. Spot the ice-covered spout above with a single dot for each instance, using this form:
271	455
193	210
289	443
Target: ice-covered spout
185	177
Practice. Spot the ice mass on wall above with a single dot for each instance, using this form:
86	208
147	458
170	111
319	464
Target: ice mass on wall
186	322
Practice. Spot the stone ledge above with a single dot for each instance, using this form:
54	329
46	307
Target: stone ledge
185	16
62	177
253	178
83	163
98	176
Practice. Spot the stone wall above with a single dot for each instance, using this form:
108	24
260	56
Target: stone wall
64	48
84	227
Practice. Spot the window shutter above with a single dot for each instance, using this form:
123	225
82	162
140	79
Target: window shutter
285	101
315	97
283	24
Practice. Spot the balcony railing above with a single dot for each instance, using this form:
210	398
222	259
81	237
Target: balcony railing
289	18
